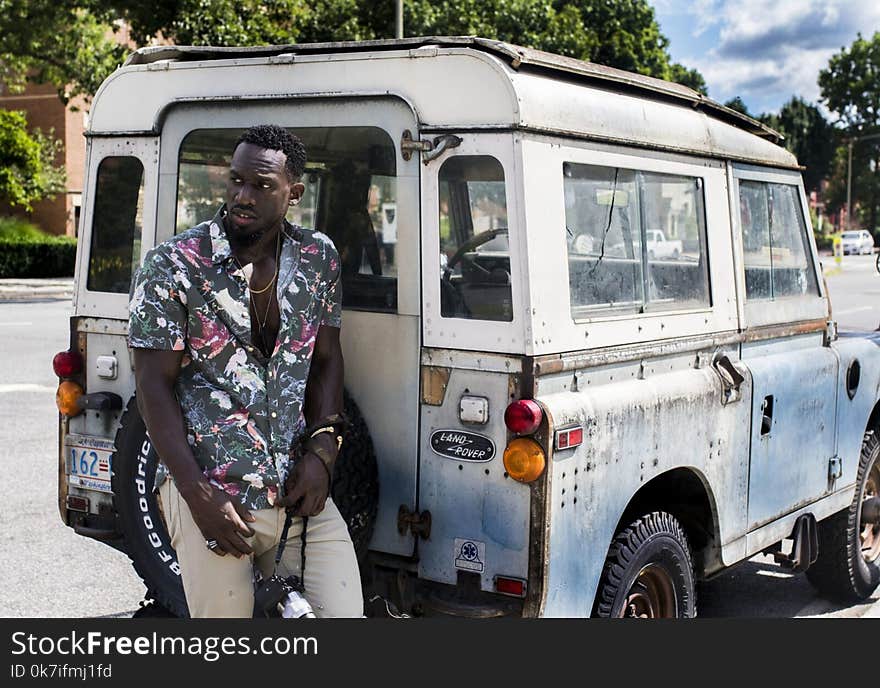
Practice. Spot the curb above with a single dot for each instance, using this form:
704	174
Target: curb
36	289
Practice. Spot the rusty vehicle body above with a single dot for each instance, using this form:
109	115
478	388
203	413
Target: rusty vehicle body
537	389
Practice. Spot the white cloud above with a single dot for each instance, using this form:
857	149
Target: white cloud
766	52
706	13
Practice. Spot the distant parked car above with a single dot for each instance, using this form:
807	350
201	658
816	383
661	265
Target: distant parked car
857	241
661	247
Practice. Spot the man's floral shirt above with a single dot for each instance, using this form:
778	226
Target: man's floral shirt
242	411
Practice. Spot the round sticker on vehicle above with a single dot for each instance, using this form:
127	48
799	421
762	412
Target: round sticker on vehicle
462	445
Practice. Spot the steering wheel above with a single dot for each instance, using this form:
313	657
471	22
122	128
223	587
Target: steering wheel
468	246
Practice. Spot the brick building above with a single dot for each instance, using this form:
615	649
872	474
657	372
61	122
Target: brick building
44	110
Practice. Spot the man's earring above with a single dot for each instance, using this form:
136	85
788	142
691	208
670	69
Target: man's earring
293	201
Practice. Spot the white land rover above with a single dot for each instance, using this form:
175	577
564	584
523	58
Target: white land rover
551	422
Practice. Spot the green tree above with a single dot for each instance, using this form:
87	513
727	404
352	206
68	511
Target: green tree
66	43
27	162
808	135
69	42
737	103
850	88
616	33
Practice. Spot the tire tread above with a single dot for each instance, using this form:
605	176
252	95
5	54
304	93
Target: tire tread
624	549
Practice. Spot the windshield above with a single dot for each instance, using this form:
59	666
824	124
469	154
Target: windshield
850	235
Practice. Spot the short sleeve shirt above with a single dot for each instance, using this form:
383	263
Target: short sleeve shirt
242	410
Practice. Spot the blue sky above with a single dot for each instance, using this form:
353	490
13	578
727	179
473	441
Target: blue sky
761	50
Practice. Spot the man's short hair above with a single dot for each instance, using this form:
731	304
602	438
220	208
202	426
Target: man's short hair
273	137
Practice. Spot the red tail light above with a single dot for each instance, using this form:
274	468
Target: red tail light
523	417
510	586
67	363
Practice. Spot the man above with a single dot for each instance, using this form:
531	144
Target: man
234	326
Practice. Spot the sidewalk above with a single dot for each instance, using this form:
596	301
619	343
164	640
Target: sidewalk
22	289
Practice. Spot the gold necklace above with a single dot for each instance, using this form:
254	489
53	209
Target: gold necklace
274	277
261	324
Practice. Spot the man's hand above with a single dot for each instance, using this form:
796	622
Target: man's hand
220	518
308	484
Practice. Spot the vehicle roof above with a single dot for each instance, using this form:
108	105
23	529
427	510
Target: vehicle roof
543	91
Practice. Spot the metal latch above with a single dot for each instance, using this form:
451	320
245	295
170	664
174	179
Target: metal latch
430	149
835	468
731	379
831	334
419	524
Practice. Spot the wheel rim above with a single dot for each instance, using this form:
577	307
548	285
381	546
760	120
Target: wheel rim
870	535
652	595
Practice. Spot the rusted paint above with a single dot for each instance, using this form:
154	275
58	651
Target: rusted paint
539	528
62	469
435	380
558	363
790	447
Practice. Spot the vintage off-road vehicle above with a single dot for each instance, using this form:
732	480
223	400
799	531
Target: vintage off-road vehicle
548	418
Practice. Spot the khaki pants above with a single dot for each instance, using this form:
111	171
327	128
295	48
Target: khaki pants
218	586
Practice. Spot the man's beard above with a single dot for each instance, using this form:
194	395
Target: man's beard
239	238
245	240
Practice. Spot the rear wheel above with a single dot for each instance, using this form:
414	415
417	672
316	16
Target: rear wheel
147	542
848	566
648	572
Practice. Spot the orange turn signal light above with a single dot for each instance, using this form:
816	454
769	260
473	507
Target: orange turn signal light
524	460
66	397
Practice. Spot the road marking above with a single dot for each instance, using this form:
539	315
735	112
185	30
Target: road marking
15	324
854	310
25	387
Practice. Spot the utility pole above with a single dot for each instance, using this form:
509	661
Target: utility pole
399	17
849	184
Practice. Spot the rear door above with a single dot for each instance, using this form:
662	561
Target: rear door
365	196
473	319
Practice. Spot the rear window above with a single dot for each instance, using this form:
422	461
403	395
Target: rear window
475	278
636	240
117	223
351	196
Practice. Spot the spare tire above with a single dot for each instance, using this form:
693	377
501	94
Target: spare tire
146	540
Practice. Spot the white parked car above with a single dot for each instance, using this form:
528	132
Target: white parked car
660	247
857	241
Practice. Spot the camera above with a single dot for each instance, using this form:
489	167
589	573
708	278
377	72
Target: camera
280	597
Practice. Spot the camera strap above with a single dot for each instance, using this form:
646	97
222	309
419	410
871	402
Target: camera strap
288	519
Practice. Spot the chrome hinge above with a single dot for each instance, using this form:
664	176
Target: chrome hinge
408	145
430	149
419	524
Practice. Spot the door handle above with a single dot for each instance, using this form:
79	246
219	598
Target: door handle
731	379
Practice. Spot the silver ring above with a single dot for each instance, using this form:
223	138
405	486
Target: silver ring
211	544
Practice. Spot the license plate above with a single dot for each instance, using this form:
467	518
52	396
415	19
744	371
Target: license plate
88	462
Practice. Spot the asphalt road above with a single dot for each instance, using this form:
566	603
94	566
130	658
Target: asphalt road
46	569
49	571
854	287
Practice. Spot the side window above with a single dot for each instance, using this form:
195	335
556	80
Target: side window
117	222
776	256
474	247
351	196
636	240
